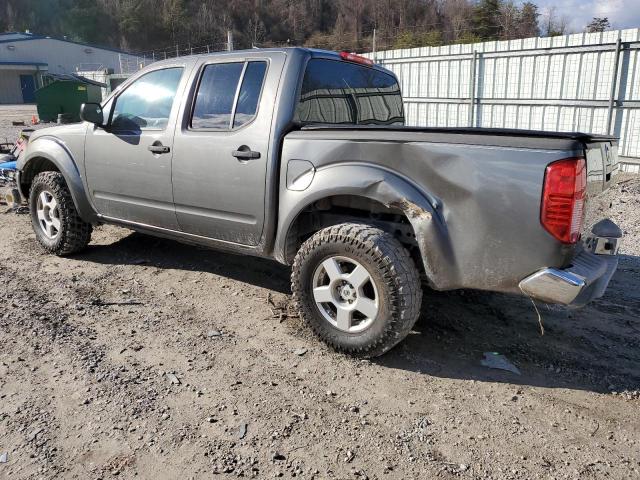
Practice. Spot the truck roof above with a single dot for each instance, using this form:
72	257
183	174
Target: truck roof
312	52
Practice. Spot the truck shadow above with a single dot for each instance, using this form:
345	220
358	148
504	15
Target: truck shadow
596	348
140	249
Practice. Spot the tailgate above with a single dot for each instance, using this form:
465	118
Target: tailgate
602	164
602	173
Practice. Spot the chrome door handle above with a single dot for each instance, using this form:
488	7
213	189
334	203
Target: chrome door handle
158	149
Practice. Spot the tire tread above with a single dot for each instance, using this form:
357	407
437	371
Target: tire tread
397	268
76	233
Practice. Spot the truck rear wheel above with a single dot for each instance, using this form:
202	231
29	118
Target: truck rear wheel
56	223
357	287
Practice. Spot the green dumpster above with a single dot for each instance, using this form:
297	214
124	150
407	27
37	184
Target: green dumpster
63	94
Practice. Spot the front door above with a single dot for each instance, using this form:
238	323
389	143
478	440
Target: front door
28	87
128	163
222	151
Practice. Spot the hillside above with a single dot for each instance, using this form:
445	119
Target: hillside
146	25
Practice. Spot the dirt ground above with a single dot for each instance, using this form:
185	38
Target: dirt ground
16	113
145	358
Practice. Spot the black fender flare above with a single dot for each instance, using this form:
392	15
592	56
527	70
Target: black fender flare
54	151
383	186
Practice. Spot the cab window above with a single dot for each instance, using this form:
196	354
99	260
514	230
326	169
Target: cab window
146	103
220	104
339	92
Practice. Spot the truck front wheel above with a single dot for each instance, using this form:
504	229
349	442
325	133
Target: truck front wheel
357	287
56	223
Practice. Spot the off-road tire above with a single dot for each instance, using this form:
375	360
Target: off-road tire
75	233
394	272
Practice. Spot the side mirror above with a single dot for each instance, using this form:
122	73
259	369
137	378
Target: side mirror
92	112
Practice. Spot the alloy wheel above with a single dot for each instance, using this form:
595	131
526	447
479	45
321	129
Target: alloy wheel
345	294
48	214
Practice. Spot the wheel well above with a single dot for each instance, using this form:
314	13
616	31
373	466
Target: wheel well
350	209
34	167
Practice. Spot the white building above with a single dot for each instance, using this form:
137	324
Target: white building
24	57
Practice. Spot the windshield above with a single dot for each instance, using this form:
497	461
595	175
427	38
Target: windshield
339	92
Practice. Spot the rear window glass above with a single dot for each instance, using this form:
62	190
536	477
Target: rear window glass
216	98
250	93
217	91
338	92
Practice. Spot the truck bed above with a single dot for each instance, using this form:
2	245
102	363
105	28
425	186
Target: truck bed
471	130
601	151
485	186
483	136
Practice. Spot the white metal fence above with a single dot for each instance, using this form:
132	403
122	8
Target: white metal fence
583	82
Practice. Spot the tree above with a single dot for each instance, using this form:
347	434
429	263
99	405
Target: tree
509	21
518	22
145	25
85	21
457	19
411	39
487	19
529	26
256	30
554	25
468	37
598	24
174	18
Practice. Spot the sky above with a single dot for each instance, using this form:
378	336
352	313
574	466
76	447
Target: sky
621	13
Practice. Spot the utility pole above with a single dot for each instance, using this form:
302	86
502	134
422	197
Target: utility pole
229	40
472	89
614	85
374	45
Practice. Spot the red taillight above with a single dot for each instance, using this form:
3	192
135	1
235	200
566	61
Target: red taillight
563	199
352	57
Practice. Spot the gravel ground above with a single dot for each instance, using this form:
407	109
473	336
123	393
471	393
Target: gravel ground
621	203
145	358
16	113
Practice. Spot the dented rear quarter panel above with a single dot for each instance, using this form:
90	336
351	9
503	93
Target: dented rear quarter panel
475	208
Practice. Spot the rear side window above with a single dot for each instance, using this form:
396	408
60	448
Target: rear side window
250	93
217	90
146	103
339	92
219	104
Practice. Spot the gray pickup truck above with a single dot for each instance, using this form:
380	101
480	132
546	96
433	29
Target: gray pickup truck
302	156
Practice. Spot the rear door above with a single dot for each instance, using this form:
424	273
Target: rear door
221	152
128	164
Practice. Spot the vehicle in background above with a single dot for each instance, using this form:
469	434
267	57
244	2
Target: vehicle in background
9	154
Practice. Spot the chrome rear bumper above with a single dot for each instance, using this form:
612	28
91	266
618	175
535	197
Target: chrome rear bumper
584	280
